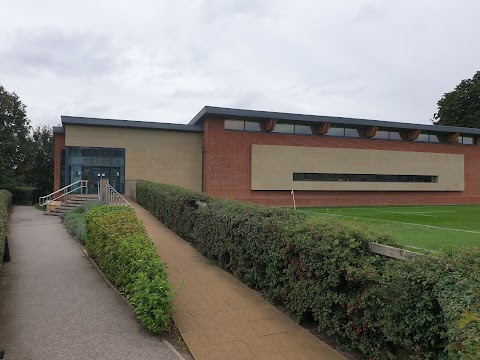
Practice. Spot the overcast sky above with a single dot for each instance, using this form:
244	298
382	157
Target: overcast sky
165	60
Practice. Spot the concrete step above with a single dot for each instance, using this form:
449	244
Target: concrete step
72	203
78	202
86	196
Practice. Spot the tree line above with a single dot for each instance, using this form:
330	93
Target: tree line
26	153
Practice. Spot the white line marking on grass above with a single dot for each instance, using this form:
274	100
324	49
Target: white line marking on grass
397	222
421	248
406	213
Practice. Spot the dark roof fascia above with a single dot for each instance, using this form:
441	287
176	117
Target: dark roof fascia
58	129
218	112
75	120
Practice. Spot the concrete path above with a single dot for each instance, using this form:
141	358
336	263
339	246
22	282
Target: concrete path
221	318
55	305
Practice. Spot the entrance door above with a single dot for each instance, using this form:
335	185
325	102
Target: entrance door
98	173
116	179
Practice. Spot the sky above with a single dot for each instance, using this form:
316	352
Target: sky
163	61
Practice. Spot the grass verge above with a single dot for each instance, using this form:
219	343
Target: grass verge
430	228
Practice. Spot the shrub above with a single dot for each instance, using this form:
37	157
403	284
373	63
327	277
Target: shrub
240	236
327	269
5	202
321	270
118	242
74	220
172	205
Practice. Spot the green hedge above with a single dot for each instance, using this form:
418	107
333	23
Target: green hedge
24	195
172	205
5	202
321	270
74	220
118	242
244	238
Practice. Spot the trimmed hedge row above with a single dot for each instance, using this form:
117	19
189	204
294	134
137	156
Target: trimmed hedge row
74	220
321	270
5	202
177	206
118	242
24	195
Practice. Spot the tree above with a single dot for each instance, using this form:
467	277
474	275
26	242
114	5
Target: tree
461	107
14	139
41	172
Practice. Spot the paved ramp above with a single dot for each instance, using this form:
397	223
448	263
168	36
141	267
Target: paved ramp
55	305
219	317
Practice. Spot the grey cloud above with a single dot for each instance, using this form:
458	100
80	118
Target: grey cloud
360	58
55	51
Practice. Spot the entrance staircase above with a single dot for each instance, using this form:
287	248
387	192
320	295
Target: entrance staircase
71	203
74	195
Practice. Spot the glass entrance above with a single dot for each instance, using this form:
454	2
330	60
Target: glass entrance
93	164
97	174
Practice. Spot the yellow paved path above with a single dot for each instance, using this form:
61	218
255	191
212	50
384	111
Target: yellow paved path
221	318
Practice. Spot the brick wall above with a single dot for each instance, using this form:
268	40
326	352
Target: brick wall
59	145
227	169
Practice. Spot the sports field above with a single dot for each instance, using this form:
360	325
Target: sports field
421	227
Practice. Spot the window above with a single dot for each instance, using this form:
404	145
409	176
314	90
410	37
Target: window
381	134
428	138
365	177
351	132
336	131
288	128
84	163
242	125
433	138
234	125
284	128
466	140
303	129
422	137
394	135
252	126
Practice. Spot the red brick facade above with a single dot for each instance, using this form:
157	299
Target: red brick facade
59	145
227	169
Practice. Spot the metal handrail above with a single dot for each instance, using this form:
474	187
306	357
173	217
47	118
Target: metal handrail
114	197
47	199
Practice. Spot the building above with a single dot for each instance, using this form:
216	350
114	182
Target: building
261	156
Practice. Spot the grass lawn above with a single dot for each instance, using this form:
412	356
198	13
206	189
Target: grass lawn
417	227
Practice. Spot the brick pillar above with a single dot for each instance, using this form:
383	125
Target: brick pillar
59	140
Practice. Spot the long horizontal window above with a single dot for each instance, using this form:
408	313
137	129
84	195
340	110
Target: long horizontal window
365	177
338	131
242	125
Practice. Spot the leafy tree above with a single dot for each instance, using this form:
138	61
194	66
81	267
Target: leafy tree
15	141
461	107
42	153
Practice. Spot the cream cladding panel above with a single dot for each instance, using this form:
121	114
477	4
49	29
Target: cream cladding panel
273	168
172	157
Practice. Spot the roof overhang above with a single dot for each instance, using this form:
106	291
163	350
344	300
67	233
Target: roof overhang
75	120
223	113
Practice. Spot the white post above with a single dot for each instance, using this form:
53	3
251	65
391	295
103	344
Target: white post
293	196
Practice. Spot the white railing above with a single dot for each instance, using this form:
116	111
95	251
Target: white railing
110	196
59	194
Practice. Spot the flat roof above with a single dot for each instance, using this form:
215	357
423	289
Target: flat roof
77	120
222	113
196	124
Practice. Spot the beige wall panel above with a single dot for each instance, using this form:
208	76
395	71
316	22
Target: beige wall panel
273	168
172	157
